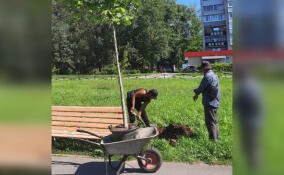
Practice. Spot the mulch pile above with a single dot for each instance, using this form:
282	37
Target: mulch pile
172	132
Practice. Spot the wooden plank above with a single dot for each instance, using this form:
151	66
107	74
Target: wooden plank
91	115
87	120
74	129
58	135
67	119
79	124
87	109
65	134
74	132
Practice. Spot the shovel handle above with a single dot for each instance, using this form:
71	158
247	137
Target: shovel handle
139	120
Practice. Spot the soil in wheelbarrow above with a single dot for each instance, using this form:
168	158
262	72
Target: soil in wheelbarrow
121	127
173	131
119	131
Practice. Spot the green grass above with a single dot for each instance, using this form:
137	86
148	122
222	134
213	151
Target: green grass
174	105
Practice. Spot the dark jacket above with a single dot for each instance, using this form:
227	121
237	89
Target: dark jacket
208	85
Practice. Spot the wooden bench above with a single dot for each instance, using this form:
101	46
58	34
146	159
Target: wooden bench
67	119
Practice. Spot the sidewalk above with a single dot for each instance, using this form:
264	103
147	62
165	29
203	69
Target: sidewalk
83	165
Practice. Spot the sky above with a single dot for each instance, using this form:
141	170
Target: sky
190	2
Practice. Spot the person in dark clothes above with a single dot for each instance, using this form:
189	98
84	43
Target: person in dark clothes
209	87
138	99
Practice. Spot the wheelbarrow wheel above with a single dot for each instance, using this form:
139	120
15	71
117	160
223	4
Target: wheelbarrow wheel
154	160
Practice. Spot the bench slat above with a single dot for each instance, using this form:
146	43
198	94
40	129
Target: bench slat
74	136
67	119
74	129
76	133
87	120
93	115
87	109
79	124
60	133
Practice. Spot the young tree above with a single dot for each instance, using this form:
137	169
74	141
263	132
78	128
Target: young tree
112	12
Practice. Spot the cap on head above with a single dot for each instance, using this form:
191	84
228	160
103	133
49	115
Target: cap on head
154	93
205	65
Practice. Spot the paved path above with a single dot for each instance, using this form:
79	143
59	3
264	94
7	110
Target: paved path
152	76
81	165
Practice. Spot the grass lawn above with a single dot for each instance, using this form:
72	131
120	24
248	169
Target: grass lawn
174	105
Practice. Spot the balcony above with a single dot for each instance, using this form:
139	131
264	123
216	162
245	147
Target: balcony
212	2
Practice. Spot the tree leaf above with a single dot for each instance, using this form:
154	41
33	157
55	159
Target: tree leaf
80	3
119	15
126	20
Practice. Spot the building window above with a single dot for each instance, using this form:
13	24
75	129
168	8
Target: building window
210	18
230	4
230	15
215	29
230	25
213	7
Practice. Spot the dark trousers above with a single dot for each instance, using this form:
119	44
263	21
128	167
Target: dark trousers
137	107
211	121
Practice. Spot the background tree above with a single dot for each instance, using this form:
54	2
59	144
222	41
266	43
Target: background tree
112	12
159	35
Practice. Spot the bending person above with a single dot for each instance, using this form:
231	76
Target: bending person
139	99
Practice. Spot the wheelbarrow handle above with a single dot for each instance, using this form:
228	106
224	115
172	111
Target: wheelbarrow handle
84	140
93	134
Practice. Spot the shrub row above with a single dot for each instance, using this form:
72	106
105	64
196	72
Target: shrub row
222	67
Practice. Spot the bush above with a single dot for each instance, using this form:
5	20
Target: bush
130	71
109	69
54	70
222	67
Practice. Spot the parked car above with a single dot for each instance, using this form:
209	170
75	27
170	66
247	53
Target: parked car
189	69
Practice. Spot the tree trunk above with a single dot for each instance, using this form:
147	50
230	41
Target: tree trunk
125	123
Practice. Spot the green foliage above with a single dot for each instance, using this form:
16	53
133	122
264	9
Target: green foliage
174	105
195	42
222	67
109	70
159	34
106	11
130	71
61	46
54	70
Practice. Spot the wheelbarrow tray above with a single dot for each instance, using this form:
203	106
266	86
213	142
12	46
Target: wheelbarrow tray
130	146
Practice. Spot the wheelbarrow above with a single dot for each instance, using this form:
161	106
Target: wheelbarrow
149	159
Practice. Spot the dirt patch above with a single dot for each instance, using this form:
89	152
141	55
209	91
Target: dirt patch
172	132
